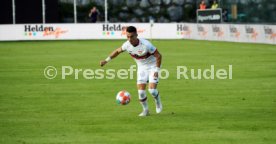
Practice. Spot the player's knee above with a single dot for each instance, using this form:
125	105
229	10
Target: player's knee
153	92
142	94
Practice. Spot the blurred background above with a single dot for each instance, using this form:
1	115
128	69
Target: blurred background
140	11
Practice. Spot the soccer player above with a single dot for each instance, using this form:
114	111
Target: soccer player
148	60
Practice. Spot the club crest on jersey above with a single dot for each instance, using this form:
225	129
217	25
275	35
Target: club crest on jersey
140	52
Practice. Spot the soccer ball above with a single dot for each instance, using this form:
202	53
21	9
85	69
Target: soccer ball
123	97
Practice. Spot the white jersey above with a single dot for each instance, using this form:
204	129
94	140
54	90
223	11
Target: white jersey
142	53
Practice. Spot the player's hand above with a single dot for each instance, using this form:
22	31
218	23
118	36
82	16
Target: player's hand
156	71
155	75
103	62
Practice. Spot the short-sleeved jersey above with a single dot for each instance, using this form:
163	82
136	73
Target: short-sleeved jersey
142	53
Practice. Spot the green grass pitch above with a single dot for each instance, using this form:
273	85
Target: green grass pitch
35	110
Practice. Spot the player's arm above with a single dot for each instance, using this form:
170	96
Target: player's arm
114	54
158	57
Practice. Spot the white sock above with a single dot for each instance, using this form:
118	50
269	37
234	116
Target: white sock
143	99
155	94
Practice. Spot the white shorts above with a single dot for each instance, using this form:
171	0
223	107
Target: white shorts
146	75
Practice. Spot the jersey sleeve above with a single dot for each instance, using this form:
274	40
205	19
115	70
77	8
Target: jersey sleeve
150	47
124	46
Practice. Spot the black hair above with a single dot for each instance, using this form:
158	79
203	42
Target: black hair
131	29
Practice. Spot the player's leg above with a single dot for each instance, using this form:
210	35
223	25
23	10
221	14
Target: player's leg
143	99
154	92
142	78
